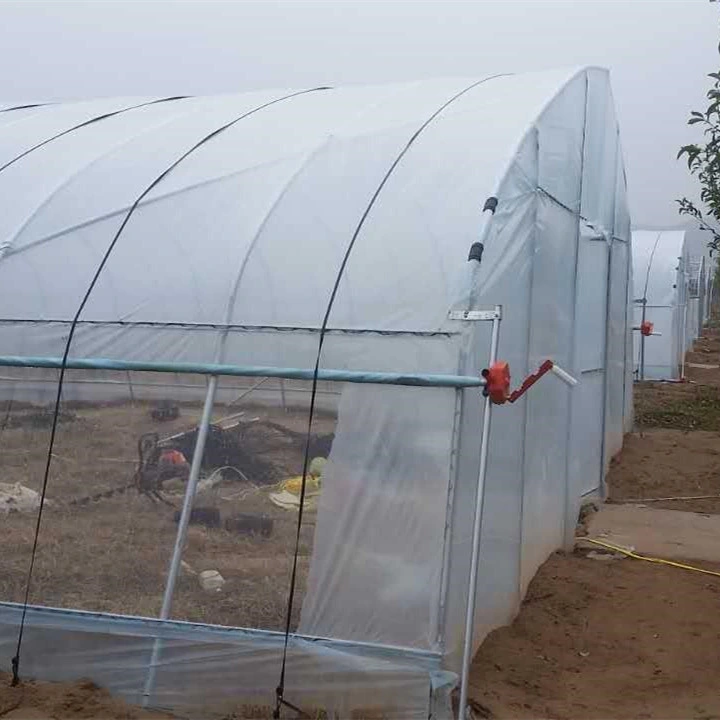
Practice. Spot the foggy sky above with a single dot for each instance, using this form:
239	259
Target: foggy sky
659	53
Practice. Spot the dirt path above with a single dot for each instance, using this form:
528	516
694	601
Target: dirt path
623	638
666	463
619	639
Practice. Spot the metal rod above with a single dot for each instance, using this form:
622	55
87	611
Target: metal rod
130	388
606	370
167	386
247	392
217	369
477	532
181	533
642	342
529	306
684	345
283	400
569	500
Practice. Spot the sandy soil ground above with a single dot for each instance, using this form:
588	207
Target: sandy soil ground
665	463
655	532
624	639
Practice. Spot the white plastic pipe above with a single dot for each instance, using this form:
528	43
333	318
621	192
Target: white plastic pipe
565	376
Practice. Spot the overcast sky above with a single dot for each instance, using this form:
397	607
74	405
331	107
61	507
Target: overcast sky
659	52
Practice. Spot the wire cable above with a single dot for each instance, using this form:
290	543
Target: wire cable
85	123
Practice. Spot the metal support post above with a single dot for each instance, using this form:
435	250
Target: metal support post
282	396
477	531
683	347
182	532
642	341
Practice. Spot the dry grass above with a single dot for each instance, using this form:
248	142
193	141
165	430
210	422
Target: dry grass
113	555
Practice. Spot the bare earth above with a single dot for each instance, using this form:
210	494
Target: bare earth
83	699
626	638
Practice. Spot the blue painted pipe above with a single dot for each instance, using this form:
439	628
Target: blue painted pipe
351	376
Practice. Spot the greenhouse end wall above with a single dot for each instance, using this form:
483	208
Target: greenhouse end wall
565	291
259	255
660	270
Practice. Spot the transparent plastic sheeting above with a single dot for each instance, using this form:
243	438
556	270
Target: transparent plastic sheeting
256	190
376	570
232	258
659	272
210	671
697	302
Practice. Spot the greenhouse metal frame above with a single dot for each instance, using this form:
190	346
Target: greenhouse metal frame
359	256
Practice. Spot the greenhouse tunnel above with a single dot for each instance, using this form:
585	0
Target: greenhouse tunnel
229	290
697	303
661	278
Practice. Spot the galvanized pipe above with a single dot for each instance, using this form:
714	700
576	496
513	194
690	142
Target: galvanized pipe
181	533
477	532
217	369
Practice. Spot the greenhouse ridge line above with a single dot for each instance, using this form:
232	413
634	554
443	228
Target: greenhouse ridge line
71	333
280	700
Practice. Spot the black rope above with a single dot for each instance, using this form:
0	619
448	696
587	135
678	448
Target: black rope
25	107
61	378
280	690
85	123
175	325
575	214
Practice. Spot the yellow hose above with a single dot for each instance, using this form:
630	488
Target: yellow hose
649	559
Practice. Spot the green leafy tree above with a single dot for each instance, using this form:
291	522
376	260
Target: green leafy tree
703	161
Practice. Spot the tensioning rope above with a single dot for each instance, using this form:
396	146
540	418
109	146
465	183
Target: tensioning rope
280	690
73	326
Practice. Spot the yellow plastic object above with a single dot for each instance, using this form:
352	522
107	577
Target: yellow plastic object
287	493
294	485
